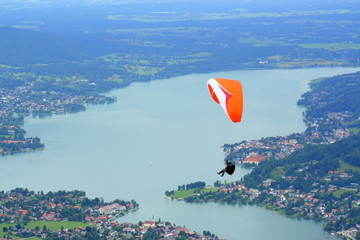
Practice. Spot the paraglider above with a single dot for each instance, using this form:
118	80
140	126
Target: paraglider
229	169
228	93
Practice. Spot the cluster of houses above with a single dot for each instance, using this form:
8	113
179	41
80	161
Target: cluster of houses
325	130
18	207
256	151
319	131
305	204
166	230
24	100
15	206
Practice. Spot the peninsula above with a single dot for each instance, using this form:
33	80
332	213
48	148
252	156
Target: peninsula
314	174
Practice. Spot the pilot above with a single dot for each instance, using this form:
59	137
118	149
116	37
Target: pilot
229	169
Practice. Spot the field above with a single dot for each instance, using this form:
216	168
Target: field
346	166
339	192
277	173
52	226
2	225
181	194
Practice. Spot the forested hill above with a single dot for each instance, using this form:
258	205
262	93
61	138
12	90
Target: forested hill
336	94
19	47
316	159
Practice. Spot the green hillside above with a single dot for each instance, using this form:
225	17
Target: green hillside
317	160
337	94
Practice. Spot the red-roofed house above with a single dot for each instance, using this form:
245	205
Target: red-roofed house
255	159
48	216
112	208
150	223
22	212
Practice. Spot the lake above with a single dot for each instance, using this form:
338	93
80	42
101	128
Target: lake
163	134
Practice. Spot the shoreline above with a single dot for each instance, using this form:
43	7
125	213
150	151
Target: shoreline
236	194
105	98
38	123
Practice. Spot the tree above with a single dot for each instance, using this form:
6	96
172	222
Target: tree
182	236
217	183
151	234
26	220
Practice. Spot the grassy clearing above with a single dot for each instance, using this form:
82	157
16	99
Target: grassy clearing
308	63
200	55
116	78
181	194
5	66
277	173
184	193
354	130
143	70
347	166
331	46
339	192
3	225
185	61
54	226
260	41
210	189
159	30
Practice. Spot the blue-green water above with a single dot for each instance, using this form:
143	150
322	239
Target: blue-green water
166	133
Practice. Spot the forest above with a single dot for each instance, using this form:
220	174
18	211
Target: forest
336	94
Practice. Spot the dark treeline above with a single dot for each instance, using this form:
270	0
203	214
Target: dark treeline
337	94
198	184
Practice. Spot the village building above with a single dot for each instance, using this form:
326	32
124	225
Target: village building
255	159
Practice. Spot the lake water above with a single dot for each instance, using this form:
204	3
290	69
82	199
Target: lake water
166	133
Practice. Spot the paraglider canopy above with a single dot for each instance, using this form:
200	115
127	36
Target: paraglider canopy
228	93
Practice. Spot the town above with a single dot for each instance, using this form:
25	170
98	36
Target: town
72	215
337	206
255	151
